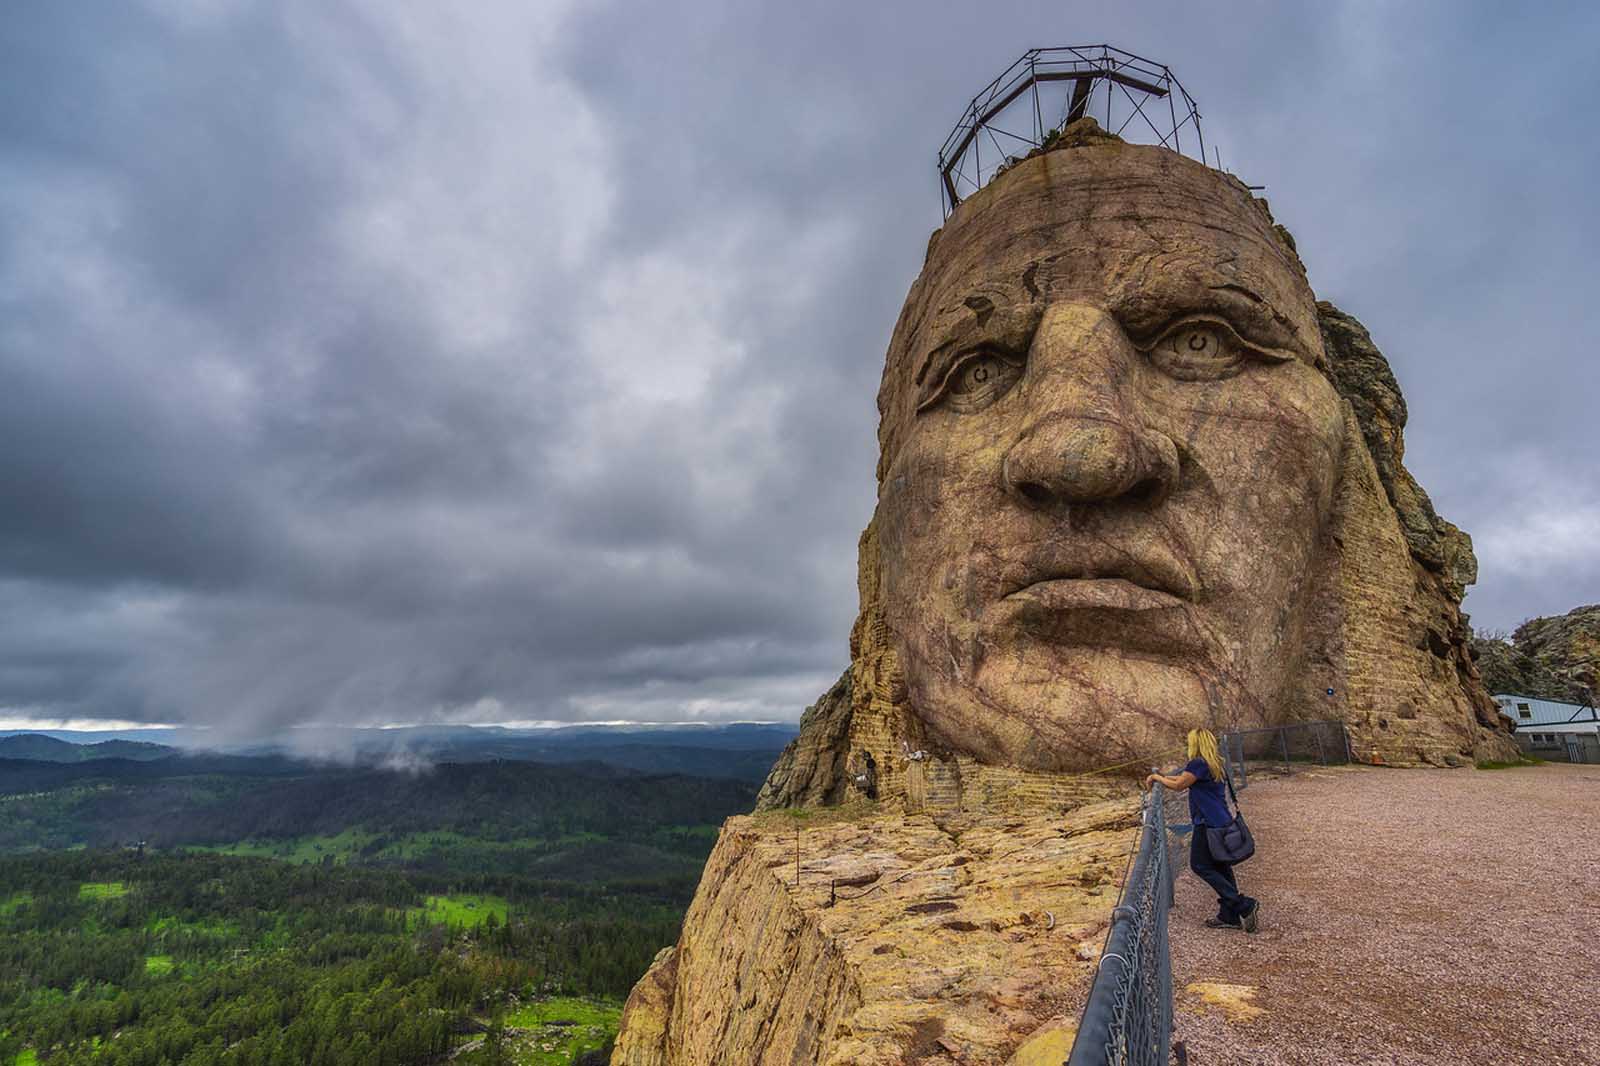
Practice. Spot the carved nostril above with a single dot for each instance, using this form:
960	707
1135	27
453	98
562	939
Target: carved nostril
1152	490
1034	492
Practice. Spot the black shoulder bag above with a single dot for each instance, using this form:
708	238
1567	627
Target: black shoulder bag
1232	842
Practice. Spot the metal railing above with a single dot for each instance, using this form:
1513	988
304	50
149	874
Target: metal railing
1127	1020
1283	747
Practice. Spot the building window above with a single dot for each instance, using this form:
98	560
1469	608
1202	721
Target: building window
1524	713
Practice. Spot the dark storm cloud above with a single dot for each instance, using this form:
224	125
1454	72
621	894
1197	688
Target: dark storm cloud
367	363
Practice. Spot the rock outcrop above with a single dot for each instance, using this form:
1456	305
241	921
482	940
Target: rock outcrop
1552	658
895	939
811	770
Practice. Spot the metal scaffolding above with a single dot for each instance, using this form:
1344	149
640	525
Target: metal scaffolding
1132	97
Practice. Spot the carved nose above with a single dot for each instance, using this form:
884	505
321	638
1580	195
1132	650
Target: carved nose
1085	460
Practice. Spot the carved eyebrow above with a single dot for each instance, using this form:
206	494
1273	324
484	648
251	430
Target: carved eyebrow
1152	307
1007	328
964	326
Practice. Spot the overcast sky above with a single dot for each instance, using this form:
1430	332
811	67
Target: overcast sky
378	362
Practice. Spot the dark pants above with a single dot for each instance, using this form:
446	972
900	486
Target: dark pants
1231	903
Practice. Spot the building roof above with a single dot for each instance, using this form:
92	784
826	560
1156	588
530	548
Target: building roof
1529	711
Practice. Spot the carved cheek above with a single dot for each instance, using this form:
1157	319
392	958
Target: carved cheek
1262	454
937	509
1282	421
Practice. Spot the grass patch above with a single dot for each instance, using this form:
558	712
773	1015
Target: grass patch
1495	764
218	927
15	902
800	817
553	1032
158	965
102	890
459	911
29	1057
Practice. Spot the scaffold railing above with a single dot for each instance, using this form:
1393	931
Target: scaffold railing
1047	90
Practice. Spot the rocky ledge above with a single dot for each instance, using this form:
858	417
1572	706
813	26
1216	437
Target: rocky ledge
870	938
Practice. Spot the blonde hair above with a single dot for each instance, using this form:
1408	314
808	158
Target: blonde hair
1203	743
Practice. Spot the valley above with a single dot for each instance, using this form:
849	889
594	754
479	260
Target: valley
203	909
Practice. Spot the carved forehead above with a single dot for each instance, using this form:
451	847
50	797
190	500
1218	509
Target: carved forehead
1138	230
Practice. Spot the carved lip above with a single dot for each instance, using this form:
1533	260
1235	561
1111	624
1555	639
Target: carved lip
1110	612
1093	593
1097	577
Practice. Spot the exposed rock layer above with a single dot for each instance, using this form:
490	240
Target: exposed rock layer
907	939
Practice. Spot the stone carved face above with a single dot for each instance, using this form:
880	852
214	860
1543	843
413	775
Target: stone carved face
1108	462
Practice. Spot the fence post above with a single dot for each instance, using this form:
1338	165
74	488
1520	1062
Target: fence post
1322	752
1283	740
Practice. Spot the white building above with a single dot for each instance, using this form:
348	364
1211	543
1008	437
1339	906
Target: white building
1551	729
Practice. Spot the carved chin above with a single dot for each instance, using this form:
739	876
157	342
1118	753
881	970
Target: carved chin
1061	703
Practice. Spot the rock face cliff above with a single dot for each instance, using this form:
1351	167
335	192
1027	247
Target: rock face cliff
1133	479
1415	694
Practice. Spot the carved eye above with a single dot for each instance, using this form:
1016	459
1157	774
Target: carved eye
1199	350
977	380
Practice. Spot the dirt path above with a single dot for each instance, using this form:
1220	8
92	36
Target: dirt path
1408	917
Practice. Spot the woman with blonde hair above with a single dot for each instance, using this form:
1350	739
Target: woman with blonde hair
1203	778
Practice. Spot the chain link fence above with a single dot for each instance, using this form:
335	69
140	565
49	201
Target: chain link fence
1128	1018
1283	749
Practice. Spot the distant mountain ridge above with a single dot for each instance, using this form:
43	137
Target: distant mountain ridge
37	747
740	751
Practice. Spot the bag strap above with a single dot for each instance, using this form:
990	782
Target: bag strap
1227	779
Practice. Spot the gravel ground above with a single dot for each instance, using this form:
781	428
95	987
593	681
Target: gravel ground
1408	917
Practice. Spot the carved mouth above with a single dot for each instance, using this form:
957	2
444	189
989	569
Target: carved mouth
1110	602
1093	593
1117	582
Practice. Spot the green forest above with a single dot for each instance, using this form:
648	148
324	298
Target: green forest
497	912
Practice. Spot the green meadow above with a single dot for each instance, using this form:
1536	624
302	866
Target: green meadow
555	1031
94	890
461	911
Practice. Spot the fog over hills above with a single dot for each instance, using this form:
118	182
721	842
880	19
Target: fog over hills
744	751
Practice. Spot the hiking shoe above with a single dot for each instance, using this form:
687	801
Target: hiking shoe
1252	917
1218	923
